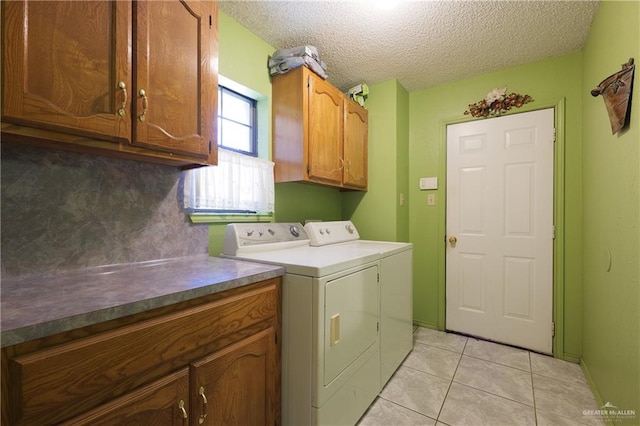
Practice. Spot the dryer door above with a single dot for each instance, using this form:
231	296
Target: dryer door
350	320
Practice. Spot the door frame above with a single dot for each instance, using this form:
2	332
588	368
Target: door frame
558	218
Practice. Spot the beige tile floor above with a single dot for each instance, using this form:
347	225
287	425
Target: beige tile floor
453	380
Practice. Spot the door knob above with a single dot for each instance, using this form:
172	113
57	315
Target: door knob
453	240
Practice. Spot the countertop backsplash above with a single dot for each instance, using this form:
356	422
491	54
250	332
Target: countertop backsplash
63	211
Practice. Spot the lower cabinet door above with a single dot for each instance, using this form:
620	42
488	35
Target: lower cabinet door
163	402
237	385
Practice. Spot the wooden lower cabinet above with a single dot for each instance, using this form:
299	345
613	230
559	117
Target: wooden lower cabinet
164	402
209	361
236	386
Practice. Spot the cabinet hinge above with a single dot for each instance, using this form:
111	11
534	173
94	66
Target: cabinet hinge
553	232
553	329
378	276
210	22
275	336
378	326
554	135
308	169
209	147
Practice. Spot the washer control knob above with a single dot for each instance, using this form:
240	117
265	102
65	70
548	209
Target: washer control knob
271	231
327	231
294	231
349	228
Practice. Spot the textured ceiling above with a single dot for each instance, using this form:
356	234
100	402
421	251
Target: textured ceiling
421	43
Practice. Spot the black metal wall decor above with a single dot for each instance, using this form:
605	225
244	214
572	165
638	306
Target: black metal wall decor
616	91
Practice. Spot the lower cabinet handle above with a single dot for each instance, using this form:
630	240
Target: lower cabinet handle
204	405
145	105
182	410
122	86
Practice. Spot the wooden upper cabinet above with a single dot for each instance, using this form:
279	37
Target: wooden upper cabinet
141	75
319	134
67	67
356	121
176	88
325	132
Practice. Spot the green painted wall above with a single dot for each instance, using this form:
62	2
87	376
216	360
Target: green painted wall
402	164
611	299
546	82
297	202
377	213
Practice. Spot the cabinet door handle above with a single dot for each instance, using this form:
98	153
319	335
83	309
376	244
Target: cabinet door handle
341	163
122	86
145	105
183	412
204	405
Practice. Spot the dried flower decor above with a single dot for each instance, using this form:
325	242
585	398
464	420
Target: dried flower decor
496	102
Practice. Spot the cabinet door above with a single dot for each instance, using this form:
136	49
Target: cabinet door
325	132
176	85
164	402
355	145
238	385
63	62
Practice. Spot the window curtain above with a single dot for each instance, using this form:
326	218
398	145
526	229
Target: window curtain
239	182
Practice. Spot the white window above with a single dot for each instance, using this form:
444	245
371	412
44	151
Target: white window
241	183
237	122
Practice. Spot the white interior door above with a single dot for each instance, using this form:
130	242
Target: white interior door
499	256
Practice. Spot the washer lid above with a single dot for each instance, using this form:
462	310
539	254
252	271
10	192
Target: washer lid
312	261
384	248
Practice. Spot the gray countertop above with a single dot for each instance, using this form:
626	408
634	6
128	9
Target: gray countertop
42	305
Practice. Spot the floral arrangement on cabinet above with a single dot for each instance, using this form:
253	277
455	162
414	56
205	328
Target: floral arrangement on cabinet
497	102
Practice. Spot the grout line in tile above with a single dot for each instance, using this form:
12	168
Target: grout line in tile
440	347
494	394
498	363
566	382
425	372
451	382
533	391
407	408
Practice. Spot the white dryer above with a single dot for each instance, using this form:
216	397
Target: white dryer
330	321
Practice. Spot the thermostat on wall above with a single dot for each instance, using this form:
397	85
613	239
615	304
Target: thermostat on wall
429	183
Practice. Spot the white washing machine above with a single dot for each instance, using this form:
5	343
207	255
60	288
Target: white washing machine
332	327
